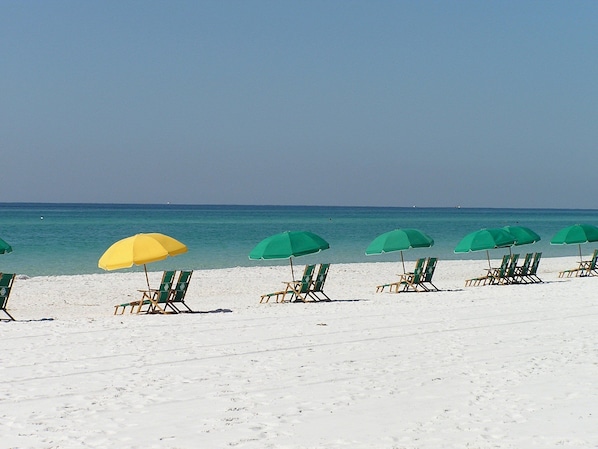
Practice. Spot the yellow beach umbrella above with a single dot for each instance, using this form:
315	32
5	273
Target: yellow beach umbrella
140	249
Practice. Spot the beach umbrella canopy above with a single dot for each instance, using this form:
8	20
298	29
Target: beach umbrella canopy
576	234
523	235
399	240
140	249
485	240
4	247
287	245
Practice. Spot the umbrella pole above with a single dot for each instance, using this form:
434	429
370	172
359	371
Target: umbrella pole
580	257
403	262
292	272
488	255
146	277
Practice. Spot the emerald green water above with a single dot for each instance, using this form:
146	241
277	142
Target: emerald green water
56	239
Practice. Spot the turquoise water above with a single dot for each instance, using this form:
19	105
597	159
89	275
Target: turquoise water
56	239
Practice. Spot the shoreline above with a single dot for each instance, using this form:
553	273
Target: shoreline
60	295
297	263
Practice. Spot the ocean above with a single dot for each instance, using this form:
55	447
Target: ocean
66	239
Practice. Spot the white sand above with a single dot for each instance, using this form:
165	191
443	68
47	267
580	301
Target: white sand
512	366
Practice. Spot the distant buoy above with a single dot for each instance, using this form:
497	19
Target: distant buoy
41	218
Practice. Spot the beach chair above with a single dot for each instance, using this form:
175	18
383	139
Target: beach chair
507	276
491	274
592	269
410	281
157	302
6	281
511	275
281	294
584	267
160	294
572	271
532	274
428	274
476	282
177	297
521	271
418	264
496	275
588	267
299	290
318	285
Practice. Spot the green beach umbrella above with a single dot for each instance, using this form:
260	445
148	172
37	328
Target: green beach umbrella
485	239
4	247
523	235
398	240
287	245
576	234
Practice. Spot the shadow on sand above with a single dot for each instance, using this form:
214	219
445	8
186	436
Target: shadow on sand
212	311
26	321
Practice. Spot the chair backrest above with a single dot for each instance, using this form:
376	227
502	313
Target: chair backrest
512	264
535	263
321	277
526	263
163	293
168	278
502	270
308	274
594	260
308	271
419	264
180	289
430	267
418	271
6	280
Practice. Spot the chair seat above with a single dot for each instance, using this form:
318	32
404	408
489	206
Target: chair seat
266	297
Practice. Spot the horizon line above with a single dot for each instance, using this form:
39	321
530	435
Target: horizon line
52	203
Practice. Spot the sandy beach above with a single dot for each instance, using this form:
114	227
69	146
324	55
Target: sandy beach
509	366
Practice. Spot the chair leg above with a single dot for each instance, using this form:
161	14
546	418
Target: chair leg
176	309
315	296
423	286
155	308
9	315
326	298
189	309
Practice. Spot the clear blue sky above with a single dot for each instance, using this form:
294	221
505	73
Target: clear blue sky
374	103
